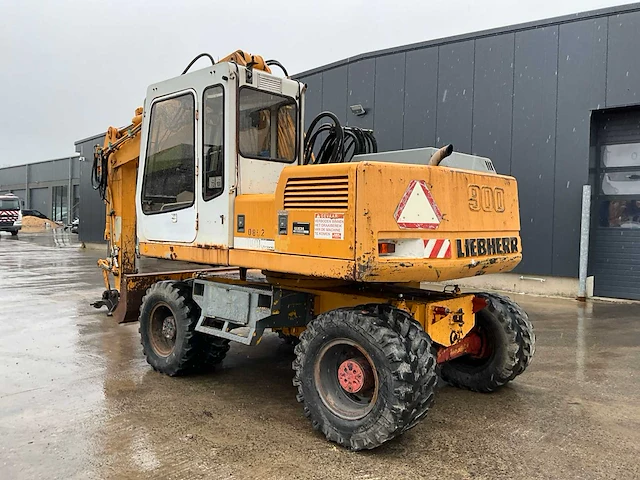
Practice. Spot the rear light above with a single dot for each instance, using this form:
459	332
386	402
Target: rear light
441	310
386	248
479	303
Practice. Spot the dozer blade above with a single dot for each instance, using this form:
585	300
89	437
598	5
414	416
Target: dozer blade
134	287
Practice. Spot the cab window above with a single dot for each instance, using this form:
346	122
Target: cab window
169	171
267	126
213	142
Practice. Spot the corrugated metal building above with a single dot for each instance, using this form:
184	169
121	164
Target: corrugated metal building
92	209
550	102
51	186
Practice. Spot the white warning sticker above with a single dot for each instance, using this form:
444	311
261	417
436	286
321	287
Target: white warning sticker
329	226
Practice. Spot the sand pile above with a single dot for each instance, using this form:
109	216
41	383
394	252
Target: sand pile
36	223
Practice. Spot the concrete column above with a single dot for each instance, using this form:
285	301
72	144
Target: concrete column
27	190
70	191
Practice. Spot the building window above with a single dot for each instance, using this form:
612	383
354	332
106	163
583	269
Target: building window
266	125
619	186
75	207
59	204
620	213
169	172
213	142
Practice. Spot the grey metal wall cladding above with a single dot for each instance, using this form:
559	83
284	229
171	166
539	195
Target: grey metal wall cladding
361	91
533	143
40	199
12	176
581	88
22	194
455	95
92	210
420	98
616	263
75	172
493	100
334	92
389	106
623	68
48	171
313	98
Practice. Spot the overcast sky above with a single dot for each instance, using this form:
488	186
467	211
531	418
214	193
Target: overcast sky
71	68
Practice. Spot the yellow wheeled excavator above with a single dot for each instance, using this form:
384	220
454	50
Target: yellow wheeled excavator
318	237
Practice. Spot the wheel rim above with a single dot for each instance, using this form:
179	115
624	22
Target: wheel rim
470	362
162	329
346	379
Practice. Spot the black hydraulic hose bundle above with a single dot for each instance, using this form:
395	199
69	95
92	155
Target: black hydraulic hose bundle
340	143
277	64
99	173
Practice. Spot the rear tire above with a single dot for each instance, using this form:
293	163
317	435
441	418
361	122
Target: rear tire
507	329
168	317
401	368
14	233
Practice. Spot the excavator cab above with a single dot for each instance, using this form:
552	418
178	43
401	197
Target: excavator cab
206	137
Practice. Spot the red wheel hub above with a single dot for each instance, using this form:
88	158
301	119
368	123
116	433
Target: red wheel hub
355	375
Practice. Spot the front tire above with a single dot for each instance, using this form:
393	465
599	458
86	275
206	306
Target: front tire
362	380
509	335
168	317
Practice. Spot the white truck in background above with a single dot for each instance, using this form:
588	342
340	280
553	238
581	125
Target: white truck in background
10	213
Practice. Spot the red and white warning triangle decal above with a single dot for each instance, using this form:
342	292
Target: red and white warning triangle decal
418	209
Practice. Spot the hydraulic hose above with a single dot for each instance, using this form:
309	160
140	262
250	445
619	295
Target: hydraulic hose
340	143
99	172
213	62
279	65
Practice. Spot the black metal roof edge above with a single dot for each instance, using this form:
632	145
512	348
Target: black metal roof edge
573	17
92	137
49	160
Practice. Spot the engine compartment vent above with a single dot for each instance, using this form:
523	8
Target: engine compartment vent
317	193
269	83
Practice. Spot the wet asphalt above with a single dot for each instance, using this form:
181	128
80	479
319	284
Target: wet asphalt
78	401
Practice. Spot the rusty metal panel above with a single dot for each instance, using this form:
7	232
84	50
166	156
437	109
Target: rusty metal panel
420	98
455	95
319	203
459	218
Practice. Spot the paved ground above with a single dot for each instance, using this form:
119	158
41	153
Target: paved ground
77	400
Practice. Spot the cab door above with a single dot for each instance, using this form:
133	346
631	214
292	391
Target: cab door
167	200
217	172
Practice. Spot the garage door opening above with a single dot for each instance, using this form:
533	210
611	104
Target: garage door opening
614	258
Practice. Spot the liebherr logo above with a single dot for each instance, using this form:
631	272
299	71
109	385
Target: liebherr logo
476	247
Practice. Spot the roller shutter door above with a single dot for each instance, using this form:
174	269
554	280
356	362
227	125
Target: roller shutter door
615	236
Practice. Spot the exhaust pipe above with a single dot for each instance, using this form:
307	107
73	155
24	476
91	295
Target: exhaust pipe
440	155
